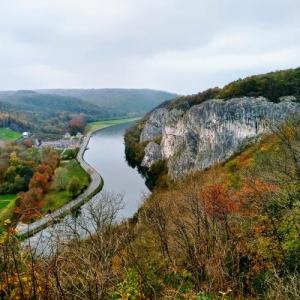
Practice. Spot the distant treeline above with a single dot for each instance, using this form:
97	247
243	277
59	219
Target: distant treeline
49	114
15	123
271	85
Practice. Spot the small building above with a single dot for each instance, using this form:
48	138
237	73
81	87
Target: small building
79	135
67	136
25	135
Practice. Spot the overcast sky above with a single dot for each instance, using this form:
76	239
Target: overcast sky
182	46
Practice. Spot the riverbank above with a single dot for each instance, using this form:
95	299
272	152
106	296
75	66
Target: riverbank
98	125
96	184
7	134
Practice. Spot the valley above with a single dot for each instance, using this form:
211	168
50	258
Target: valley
57	191
207	199
104	154
149	150
48	113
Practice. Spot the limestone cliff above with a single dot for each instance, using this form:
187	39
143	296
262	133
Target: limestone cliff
210	132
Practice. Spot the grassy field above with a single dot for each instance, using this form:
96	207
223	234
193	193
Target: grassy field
54	198
7	205
5	200
9	135
106	123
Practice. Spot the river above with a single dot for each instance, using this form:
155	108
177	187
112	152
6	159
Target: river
106	154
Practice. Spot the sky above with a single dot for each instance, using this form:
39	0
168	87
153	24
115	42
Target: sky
182	46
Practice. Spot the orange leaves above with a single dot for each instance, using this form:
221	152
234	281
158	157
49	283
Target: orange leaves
217	201
51	158
32	200
77	124
30	204
38	180
20	285
255	189
46	170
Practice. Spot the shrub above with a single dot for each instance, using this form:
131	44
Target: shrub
74	186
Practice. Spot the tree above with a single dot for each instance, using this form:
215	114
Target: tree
38	181
45	170
27	143
29	204
274	184
51	158
60	178
217	201
77	124
74	186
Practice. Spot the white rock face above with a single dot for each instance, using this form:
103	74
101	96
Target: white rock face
287	99
211	131
152	154
153	127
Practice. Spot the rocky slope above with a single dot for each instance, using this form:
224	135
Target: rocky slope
210	132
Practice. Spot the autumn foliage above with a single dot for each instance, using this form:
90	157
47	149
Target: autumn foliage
77	124
30	202
230	232
217	201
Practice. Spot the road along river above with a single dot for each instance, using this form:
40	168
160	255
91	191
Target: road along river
105	153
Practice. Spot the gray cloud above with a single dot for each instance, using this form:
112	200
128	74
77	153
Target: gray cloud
178	45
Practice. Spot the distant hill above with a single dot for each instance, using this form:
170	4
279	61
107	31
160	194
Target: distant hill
123	102
272	86
31	102
47	112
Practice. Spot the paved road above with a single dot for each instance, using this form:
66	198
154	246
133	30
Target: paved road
96	183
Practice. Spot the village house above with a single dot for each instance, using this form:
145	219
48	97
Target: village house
25	135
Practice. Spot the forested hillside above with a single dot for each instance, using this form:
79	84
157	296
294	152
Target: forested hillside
229	232
271	85
123	102
48	112
226	228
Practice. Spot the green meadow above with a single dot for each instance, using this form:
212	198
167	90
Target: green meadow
8	134
106	123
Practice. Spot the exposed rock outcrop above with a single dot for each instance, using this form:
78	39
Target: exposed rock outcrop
152	155
211	131
153	126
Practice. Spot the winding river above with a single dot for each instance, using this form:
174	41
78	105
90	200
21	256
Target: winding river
105	153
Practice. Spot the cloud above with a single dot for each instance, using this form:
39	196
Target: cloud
176	45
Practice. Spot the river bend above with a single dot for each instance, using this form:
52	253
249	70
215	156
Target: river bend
106	154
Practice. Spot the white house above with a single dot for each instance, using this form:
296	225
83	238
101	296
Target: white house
79	135
67	136
25	135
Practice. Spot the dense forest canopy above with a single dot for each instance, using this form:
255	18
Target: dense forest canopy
121	101
271	85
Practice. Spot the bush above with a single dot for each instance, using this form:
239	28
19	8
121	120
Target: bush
134	150
74	186
69	154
